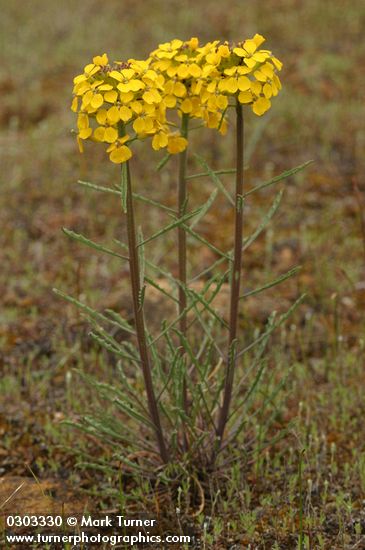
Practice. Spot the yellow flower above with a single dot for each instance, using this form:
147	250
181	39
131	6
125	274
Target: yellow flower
111	96
120	154
256	88
186	106
101	116
261	105
126	97
125	113
159	141
110	135
168	50
82	121
143	125
250	56
229	85
193	43
176	144
85	133
245	97
151	95
169	101
75	105
176	88
101	60
118	151
113	115
89	71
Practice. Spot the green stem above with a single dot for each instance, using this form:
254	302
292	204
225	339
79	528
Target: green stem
182	199
235	278
139	319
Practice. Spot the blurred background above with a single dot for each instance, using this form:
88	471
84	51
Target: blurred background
319	115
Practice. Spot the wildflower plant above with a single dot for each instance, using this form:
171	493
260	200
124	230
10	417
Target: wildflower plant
188	380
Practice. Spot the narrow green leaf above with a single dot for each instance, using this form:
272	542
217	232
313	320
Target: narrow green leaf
216	172
120	346
281	320
101	188
84	240
208	308
106	343
250	390
219	280
119	321
164	161
176	223
210	268
153	203
278	178
207	330
215	179
172	324
259	356
206	242
265	221
133	413
270	398
136	196
158	363
205	208
275	282
83	307
160	289
166	274
109	392
104	427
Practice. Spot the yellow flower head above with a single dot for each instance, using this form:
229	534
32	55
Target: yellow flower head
251	74
199	81
112	99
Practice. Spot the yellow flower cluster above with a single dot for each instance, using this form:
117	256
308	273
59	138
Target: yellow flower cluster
200	80
119	96
197	81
